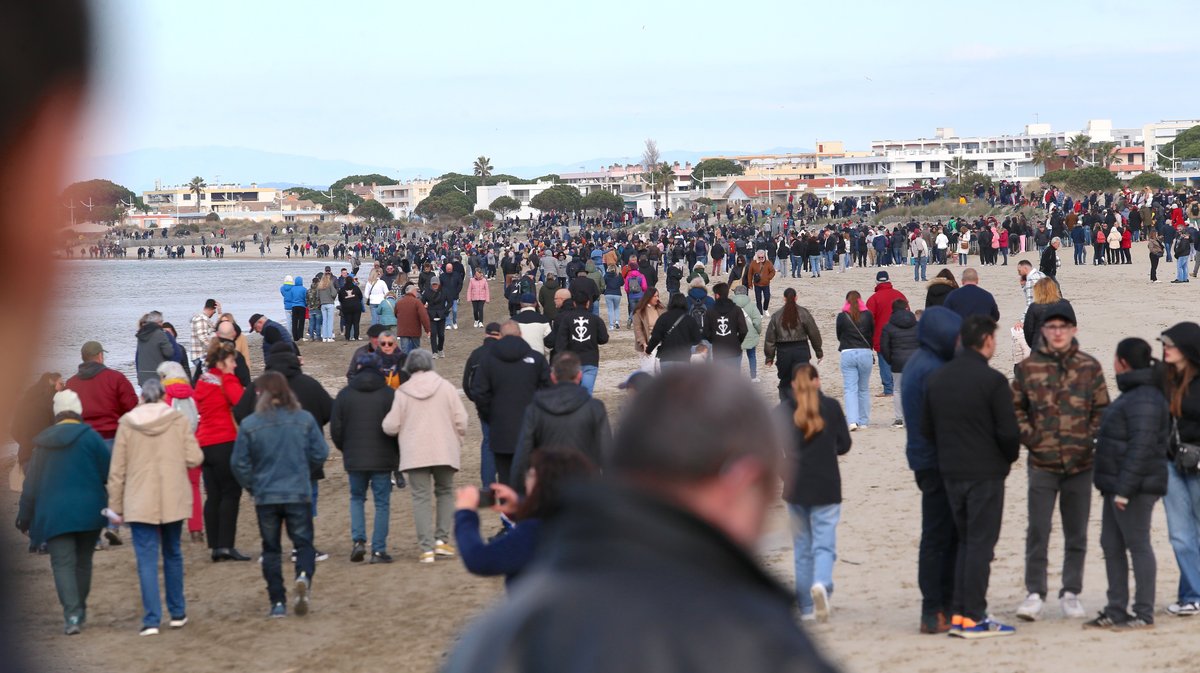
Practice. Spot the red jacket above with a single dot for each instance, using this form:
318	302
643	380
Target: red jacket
880	306
106	396
217	393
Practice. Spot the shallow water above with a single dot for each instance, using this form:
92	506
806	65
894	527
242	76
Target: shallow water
102	300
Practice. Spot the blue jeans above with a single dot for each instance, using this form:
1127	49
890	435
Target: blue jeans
589	377
885	375
856	382
814	265
487	460
829	256
314	324
1182	505
633	302
1181	265
453	312
845	261
147	540
762	298
374	316
409	344
297	516
1081	254
381	492
327	321
919	267
752	360
797	263
613	302
814	546
596	308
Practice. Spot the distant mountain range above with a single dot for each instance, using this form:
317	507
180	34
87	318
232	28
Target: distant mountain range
141	170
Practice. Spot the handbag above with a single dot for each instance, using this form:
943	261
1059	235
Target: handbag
1187	456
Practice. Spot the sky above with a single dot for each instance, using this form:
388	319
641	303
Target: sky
435	84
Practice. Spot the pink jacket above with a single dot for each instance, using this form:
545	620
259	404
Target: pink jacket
477	290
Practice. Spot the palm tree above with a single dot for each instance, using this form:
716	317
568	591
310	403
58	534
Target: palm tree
483	168
665	176
1077	147
197	186
1106	153
1043	153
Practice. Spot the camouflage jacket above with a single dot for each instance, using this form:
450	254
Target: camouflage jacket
1059	399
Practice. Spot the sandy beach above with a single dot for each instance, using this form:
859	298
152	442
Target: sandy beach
405	616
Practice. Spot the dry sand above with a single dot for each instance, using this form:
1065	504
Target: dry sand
405	616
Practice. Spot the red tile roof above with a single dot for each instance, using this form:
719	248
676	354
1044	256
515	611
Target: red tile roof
753	188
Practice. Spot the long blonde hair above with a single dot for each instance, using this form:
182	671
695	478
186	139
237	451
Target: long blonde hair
326	281
806	389
1045	291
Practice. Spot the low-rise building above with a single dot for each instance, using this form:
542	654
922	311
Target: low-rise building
402	199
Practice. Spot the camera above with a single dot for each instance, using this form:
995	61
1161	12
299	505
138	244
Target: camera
487	498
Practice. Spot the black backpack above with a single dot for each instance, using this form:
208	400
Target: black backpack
698	311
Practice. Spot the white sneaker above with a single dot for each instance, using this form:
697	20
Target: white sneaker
853	427
755	380
1072	608
1031	608
1183	609
821	606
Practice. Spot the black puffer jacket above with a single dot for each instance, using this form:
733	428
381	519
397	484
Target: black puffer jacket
1131	446
357	424
898	340
563	415
504	385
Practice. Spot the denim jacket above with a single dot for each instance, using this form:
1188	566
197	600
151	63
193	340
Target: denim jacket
275	453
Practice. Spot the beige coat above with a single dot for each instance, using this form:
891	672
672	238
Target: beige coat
147	479
643	325
429	420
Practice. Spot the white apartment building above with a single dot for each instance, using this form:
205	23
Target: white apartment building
1160	133
403	198
485	194
219	198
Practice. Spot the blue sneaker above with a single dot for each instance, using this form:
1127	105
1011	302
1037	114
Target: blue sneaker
984	629
278	611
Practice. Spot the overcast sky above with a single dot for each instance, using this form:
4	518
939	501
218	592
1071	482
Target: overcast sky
528	82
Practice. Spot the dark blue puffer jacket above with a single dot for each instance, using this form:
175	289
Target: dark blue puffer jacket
1131	445
938	333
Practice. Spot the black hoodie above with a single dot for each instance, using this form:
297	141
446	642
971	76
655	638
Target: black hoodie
898	340
563	415
580	332
509	374
153	349
308	391
725	328
356	425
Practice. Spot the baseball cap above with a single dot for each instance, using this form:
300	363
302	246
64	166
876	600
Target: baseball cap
492	328
254	320
882	277
91	349
1060	310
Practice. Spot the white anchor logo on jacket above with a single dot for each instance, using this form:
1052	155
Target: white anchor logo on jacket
723	326
582	334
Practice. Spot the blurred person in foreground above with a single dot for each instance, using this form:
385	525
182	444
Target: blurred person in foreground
45	46
657	557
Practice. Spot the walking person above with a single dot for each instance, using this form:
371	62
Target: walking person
937	557
853	324
759	275
645	316
897	342
792	338
429	421
437	305
1131	475
61	499
1155	249
278	448
148	489
327	298
1181	358
612	296
369	456
479	293
180	396
350	301
1059	394
813	487
969	417
754	328
217	392
880	305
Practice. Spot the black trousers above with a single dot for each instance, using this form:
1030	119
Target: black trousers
504	462
938	553
437	335
224	496
298	316
789	355
978	507
477	309
352	318
1154	266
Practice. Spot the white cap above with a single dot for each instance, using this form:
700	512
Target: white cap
67	400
